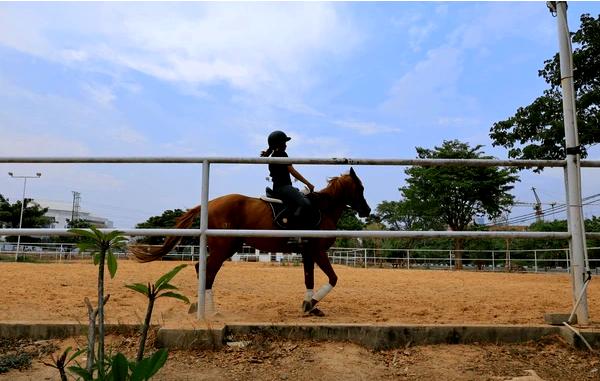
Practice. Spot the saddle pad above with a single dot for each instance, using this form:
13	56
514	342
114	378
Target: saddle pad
269	199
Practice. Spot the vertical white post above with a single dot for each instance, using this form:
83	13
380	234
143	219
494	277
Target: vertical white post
203	240
408	259
575	222
493	264
21	219
535	260
365	258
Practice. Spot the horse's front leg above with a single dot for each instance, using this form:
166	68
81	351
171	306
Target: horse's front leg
323	262
309	281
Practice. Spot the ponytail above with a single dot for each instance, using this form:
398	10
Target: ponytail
268	152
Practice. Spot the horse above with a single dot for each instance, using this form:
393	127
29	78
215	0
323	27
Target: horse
236	211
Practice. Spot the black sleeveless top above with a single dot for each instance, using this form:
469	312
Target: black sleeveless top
279	172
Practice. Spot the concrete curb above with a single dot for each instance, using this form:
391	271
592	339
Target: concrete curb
387	337
367	335
43	331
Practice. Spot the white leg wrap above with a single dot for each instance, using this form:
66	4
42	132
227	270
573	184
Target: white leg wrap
209	306
323	291
309	295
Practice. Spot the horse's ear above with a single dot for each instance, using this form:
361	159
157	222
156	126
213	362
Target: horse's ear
353	174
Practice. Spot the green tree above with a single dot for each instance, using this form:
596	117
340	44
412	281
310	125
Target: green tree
33	217
536	131
455	194
102	247
166	220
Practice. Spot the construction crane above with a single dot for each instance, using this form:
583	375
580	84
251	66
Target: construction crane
537	207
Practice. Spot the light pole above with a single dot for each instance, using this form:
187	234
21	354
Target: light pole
37	175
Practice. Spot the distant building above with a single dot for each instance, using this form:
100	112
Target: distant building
61	213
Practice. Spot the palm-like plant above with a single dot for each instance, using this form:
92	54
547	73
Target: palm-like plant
161	288
101	246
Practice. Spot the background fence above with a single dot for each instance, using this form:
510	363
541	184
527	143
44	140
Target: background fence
533	260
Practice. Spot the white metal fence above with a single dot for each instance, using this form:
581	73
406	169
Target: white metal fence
530	260
204	232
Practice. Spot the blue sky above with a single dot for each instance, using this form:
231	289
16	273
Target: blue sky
213	79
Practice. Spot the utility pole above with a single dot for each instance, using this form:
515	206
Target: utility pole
37	175
573	169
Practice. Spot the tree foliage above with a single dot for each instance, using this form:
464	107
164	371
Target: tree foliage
456	194
453	195
537	131
166	220
33	217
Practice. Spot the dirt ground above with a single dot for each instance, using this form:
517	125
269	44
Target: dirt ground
268	358
256	292
264	292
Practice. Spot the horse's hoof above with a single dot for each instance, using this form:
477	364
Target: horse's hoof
316	312
306	306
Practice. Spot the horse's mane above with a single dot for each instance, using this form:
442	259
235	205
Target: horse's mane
336	187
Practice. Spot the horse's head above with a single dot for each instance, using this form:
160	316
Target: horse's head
356	197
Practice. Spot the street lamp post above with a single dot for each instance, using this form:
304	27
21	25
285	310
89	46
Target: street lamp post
37	175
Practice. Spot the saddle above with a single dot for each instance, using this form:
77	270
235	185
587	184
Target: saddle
282	213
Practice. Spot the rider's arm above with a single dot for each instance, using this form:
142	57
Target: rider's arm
298	176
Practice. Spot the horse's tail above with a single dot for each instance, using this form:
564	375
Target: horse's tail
145	253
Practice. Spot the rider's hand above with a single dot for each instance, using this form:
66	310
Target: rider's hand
311	188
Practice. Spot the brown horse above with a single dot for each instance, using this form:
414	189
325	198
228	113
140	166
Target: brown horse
236	211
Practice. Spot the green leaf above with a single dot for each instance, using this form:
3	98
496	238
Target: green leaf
96	258
120	367
81	372
148	367
174	295
112	264
75	355
166	286
168	276
157	361
138	287
83	233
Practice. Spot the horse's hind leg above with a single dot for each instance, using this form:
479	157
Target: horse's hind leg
221	248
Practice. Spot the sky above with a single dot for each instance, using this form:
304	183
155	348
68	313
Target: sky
355	80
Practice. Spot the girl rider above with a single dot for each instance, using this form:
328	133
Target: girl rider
280	175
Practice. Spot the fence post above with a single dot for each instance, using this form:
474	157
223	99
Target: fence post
493	264
535	260
408	259
573	170
203	240
365	258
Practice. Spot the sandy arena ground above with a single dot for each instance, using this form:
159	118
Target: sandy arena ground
254	292
264	292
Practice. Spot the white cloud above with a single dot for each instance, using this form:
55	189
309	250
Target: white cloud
259	48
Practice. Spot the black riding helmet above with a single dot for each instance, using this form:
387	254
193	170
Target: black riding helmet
277	138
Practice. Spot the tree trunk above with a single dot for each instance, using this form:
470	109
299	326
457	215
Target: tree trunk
145	327
91	335
459	245
101	314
